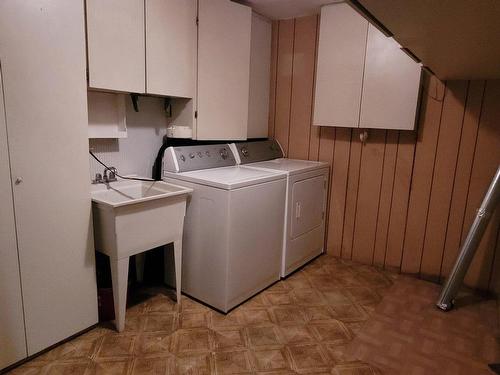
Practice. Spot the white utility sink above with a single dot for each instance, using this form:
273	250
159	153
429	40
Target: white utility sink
122	193
131	217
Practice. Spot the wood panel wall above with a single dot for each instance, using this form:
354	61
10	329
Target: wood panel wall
404	200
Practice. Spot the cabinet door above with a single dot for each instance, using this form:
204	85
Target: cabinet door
12	335
223	70
391	85
339	73
170	47
115	44
46	118
260	76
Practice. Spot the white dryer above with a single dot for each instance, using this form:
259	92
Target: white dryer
232	239
307	186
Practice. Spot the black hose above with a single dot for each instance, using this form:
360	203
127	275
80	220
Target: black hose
116	174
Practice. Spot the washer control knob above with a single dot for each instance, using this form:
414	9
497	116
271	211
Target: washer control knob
191	155
200	155
207	153
223	153
244	151
183	158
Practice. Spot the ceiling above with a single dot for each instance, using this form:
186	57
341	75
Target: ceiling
456	39
282	9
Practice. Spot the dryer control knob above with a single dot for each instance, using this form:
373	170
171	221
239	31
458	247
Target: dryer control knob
223	153
244	151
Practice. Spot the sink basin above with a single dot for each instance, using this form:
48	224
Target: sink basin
131	217
122	193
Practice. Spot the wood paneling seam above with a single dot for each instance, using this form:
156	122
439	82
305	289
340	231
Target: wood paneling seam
472	164
356	200
379	198
408	203
454	175
392	199
432	182
312	97
291	91
276	77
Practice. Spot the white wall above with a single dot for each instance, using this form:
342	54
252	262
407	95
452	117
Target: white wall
136	153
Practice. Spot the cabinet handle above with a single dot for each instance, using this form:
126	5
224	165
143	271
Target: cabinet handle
297	210
19	180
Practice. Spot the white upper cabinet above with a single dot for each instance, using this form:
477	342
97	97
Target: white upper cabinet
391	85
363	78
339	75
260	76
171	47
142	46
115	45
223	70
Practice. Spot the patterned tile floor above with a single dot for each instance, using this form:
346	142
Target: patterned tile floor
407	334
299	325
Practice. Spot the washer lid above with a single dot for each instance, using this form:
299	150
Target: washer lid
228	177
290	166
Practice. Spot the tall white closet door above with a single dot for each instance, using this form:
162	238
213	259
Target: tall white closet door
391	85
42	47
12	338
171	47
223	69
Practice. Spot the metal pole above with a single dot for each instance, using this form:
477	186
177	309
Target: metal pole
470	245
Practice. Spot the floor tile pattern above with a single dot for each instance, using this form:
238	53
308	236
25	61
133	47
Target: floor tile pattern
407	334
302	325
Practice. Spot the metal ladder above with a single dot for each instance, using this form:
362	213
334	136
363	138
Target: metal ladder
469	247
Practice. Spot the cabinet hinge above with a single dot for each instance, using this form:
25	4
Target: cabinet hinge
197	21
195	114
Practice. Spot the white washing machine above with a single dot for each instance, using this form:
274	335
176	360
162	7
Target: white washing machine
307	186
232	239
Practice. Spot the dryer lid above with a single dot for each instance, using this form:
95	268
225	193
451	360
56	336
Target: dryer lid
290	166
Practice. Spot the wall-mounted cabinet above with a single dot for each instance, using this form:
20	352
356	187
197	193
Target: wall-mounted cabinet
115	45
171	47
390	85
142	46
260	76
223	70
363	78
155	47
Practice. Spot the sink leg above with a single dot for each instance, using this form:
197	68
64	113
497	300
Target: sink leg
119	275
139	266
178	267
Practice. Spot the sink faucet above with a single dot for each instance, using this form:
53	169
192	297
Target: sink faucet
109	177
